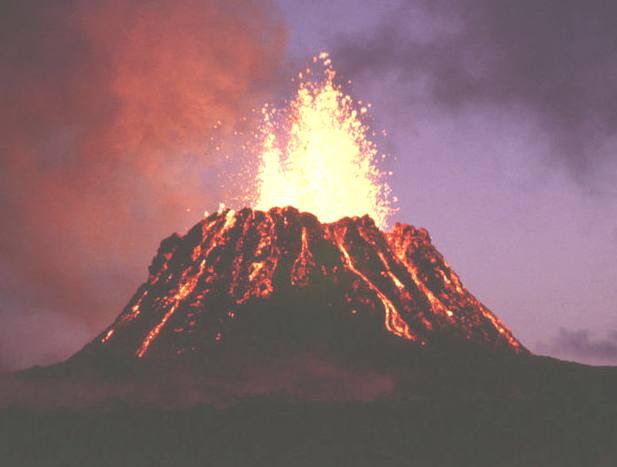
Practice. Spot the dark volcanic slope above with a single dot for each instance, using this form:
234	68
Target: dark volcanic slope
235	272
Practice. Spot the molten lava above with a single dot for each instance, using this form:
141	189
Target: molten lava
317	155
234	267
393	321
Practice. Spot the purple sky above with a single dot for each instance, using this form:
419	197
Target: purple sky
503	119
501	116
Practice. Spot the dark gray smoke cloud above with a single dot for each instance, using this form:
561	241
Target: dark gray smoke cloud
552	59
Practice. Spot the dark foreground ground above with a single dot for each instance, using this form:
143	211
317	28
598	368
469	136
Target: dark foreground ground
453	408
269	432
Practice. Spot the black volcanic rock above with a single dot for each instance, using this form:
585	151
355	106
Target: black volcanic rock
280	281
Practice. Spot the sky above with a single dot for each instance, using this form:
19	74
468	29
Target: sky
501	120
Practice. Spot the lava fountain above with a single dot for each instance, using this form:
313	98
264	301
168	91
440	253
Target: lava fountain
271	266
317	154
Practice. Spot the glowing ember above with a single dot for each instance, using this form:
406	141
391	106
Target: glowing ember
107	336
317	156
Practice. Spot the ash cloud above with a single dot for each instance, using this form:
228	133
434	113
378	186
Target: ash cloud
581	344
552	59
106	111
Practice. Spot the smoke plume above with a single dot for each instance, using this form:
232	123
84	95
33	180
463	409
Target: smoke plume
107	109
552	60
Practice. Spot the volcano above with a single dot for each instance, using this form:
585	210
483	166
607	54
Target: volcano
270	338
250	278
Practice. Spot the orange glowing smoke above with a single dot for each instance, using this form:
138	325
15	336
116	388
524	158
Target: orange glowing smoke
317	156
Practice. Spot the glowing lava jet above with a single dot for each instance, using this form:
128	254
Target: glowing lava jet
251	276
317	154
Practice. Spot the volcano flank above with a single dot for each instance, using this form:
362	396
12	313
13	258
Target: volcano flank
253	279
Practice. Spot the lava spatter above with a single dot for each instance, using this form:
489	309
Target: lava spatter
316	153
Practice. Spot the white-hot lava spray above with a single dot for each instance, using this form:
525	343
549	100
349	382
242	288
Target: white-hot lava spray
317	155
